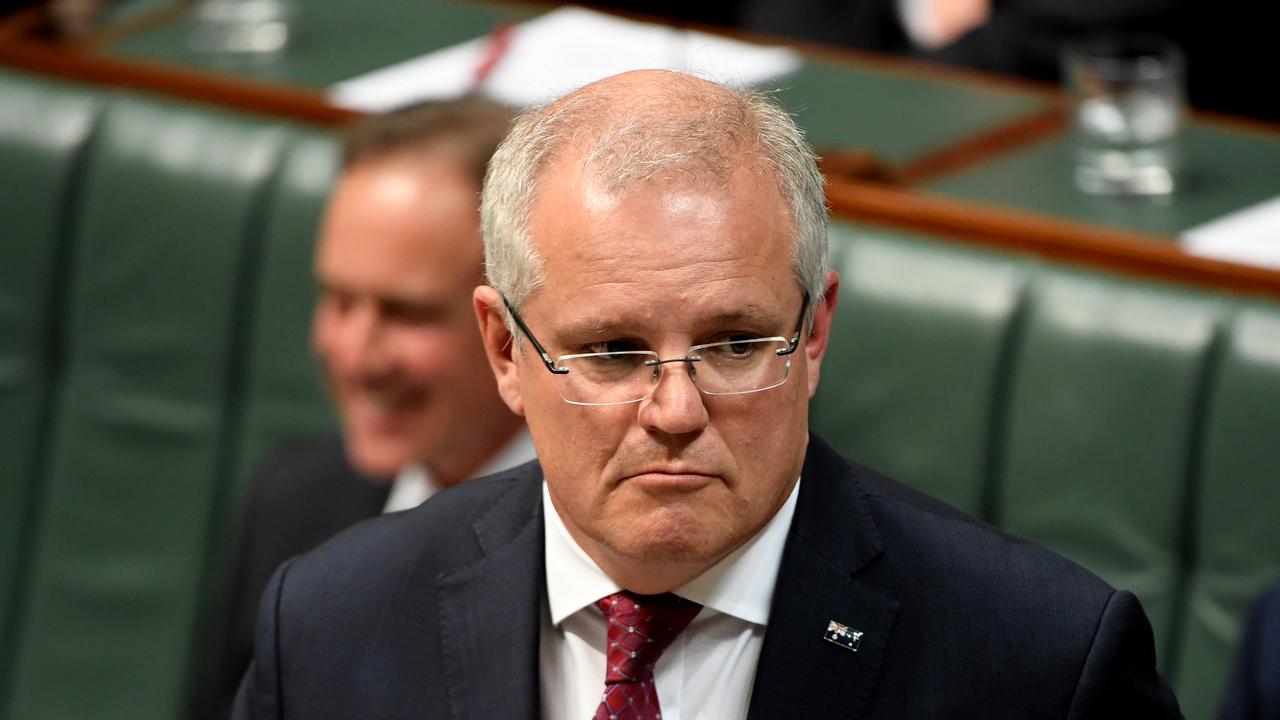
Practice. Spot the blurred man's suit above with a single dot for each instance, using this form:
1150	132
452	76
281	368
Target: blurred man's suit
1254	693
300	497
1021	37
437	612
1223	41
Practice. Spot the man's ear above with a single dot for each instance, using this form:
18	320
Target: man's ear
815	347
499	346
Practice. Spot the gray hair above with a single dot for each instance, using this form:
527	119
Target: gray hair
467	129
689	127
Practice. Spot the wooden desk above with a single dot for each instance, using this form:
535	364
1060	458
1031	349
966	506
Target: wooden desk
979	159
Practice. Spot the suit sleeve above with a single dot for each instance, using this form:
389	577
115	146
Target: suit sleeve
261	695
1119	677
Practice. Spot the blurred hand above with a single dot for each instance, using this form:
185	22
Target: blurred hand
74	19
932	24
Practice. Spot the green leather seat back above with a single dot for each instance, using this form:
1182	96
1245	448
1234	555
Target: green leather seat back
284	393
1236	549
1103	404
171	200
285	396
43	132
911	378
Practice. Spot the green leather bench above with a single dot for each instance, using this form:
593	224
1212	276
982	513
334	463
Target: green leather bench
1129	425
153	317
41	139
155	297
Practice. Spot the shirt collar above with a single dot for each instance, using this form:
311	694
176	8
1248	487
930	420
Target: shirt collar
517	451
740	585
414	484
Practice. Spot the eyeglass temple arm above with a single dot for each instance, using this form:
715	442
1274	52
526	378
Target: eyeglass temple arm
542	352
795	336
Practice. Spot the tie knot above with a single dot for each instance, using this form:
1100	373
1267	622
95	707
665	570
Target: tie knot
641	627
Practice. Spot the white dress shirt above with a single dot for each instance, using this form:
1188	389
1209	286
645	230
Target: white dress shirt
414	484
706	673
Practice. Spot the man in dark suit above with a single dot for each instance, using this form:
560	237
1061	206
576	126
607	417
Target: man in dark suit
658	308
1222	41
1021	37
397	258
1254	692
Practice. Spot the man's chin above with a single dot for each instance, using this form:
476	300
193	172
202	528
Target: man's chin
676	537
378	460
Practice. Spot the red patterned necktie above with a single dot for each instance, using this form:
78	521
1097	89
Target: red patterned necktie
640	628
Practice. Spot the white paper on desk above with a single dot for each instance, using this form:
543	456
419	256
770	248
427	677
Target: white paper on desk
559	51
1250	236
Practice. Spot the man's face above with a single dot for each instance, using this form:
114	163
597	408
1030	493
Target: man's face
399	253
679	478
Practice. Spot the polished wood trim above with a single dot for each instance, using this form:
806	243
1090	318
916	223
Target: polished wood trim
976	149
854	165
85	61
1263	129
280	101
860	186
1127	252
21	24
140	24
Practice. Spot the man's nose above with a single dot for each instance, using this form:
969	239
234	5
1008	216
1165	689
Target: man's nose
676	405
362	339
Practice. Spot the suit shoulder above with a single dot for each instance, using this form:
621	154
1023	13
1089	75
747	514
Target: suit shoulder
436	536
304	467
305	493
936	531
881	488
1005	622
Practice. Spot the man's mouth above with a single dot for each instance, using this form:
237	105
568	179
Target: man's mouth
385	410
391	400
671	479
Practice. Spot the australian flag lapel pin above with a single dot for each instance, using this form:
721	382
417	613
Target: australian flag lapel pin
843	635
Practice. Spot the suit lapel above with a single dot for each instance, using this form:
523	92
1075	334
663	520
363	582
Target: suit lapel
833	536
490	615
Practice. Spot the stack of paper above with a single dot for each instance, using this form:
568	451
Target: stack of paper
557	52
1250	236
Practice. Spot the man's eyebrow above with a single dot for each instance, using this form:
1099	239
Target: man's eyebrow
751	315
403	300
588	326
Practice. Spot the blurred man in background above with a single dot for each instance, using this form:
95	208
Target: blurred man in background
1224	42
399	253
1254	692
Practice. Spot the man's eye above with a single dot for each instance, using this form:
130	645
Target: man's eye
413	313
612	346
732	347
740	343
336	301
740	348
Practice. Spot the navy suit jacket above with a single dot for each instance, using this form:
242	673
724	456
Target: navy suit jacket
300	496
1254	693
436	613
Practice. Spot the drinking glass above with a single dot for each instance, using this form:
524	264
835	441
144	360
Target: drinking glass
1127	106
242	28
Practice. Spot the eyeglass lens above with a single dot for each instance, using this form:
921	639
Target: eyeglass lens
727	368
